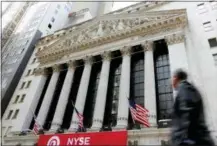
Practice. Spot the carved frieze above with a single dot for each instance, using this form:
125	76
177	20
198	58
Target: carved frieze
106	30
174	39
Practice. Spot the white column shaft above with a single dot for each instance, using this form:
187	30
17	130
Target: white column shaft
101	96
150	94
123	104
81	96
47	98
64	95
178	56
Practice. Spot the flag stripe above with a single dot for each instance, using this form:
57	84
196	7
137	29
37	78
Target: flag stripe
139	113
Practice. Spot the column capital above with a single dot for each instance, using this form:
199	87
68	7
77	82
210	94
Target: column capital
174	39
88	59
147	45
72	64
106	55
56	68
41	71
126	50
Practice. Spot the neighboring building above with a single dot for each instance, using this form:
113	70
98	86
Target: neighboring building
83	11
15	11
39	20
98	64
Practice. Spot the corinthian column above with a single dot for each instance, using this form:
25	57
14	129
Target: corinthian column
123	103
150	93
101	93
64	95
48	95
82	93
177	53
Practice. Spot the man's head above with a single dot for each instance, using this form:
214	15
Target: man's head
178	76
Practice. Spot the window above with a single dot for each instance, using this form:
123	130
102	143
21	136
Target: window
137	78
13	61
12	53
3	131
17	98
56	12
58	6
8	70
15	114
212	42
115	94
20	51
164	88
5	56
215	59
22	98
4	83
52	19
28	73
34	71
23	84
49	26
33	61
201	8
8	130
28	84
66	8
9	114
207	26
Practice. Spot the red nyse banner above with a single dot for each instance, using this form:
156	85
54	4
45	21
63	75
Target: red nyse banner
96	138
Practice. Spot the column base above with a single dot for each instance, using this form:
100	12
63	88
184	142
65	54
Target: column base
49	132
54	127
94	129
119	128
72	129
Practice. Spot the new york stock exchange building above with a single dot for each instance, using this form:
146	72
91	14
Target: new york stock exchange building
100	63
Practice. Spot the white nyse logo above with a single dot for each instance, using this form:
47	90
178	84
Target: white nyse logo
53	141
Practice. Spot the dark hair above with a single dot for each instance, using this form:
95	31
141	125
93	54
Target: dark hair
180	74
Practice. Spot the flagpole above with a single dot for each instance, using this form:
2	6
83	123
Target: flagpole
130	112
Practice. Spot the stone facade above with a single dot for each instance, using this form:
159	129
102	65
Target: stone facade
101	36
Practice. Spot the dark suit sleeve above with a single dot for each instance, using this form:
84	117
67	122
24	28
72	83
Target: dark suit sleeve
186	107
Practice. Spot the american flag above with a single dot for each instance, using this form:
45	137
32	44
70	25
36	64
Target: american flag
139	113
80	117
36	127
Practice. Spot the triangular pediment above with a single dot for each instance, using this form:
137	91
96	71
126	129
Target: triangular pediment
110	27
